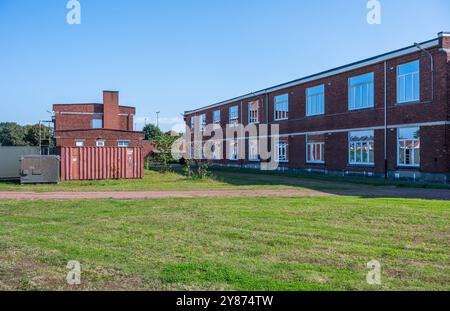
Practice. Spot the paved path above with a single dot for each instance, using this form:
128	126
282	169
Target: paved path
362	191
159	194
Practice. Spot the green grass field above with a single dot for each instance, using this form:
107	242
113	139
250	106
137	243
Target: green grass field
226	243
154	181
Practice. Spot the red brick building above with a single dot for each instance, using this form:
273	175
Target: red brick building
96	125
388	115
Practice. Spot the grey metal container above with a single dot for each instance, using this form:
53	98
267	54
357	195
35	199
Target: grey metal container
37	169
10	160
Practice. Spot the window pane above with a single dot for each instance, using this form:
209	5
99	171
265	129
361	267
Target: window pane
409	68
408	133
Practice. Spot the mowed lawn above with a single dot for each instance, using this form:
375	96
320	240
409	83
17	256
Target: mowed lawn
226	243
155	181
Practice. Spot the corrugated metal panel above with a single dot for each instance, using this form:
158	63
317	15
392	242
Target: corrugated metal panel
89	163
36	169
10	160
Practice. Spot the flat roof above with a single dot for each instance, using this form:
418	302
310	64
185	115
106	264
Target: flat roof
352	66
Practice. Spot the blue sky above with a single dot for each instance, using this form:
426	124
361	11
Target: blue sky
176	55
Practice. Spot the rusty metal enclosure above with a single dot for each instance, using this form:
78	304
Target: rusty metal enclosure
91	163
37	169
10	160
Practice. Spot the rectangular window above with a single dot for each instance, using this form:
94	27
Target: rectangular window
123	143
408	82
79	143
408	141
97	122
315	100
361	147
281	107
281	152
216	117
234	151
315	149
253	112
100	143
234	116
192	123
216	150
203	122
360	92
253	154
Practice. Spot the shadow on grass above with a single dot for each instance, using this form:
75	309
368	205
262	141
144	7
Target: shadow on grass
364	188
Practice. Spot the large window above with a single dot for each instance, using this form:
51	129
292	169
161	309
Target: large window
281	152
97	122
203	122
408	141
216	150
281	107
253	154
234	116
253	112
233	151
360	92
100	143
216	117
315	100
315	148
408	82
361	148
192	122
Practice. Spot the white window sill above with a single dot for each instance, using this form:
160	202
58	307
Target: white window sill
315	162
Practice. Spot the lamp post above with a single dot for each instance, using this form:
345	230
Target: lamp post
157	118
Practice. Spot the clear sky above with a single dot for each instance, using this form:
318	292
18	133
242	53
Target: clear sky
177	55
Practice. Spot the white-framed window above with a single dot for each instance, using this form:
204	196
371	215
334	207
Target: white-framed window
281	152
79	143
408	82
203	122
216	117
315	100
97	122
281	107
408	146
234	151
100	143
192	123
361	147
253	112
123	143
253	153
315	149
234	116
216	150
360	92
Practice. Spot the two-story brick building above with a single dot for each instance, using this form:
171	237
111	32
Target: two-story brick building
386	116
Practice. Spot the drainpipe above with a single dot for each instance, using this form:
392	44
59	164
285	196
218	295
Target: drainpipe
385	124
432	68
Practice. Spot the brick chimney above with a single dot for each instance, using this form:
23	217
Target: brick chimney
111	110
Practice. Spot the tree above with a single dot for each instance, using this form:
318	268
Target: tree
33	133
12	134
152	132
163	153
